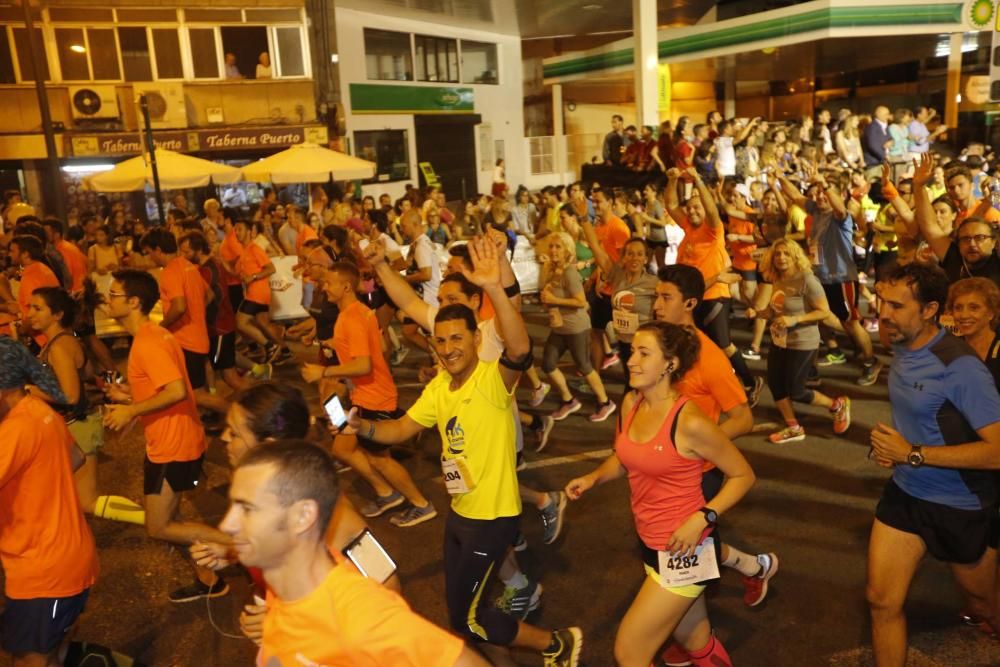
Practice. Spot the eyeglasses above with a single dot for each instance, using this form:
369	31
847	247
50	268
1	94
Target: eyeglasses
978	239
114	294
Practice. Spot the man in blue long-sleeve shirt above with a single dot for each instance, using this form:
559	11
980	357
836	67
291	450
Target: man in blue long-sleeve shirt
874	141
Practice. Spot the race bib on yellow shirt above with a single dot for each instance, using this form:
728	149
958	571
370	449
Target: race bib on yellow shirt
678	571
457	478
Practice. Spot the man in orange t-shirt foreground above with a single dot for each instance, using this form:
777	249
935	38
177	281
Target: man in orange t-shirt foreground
357	341
159	395
46	547
319	611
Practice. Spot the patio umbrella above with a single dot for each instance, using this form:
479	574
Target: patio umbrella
177	172
308	163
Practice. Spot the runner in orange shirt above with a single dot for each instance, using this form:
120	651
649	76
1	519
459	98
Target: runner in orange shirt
320	611
27	252
46	548
704	247
612	233
717	391
357	342
75	260
159	396
253	317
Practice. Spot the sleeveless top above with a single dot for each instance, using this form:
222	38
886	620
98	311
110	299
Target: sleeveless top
665	486
79	409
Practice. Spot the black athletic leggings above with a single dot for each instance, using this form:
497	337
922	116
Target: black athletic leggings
473	552
787	371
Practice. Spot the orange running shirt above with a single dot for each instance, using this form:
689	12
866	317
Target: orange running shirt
351	621
992	215
76	262
32	277
181	278
230	251
356	334
741	250
306	233
704	248
613	234
712	383
252	261
46	546
156	360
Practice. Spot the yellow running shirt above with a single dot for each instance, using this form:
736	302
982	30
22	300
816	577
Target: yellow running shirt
477	434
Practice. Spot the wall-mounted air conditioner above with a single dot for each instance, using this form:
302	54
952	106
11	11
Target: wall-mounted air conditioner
94	103
166	104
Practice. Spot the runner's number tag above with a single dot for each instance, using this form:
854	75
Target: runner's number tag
457	478
686	570
814	252
626	321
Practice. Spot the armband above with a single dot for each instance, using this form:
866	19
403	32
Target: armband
513	290
522	365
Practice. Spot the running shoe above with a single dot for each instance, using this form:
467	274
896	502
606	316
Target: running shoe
841	415
414	515
832	359
262	371
790	434
977	622
569	644
752	355
543	433
604	410
755	588
753	395
199	591
869	374
272	353
552	517
521	543
538	394
565	409
382	504
522	463
519	602
675	655
609	361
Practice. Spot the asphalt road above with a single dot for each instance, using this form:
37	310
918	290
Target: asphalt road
812	505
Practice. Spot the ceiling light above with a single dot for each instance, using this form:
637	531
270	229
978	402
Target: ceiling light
77	48
86	168
592	7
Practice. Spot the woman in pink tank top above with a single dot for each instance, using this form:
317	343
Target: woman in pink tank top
661	444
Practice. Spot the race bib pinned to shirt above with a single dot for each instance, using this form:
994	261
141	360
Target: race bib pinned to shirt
457	478
814	252
679	570
623	315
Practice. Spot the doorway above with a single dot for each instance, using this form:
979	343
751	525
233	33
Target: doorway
449	144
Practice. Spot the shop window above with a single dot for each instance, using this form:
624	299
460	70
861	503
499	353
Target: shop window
103	54
388	56
290	60
167	50
437	59
134	46
24	54
479	62
6	61
388	149
72	50
204	54
246	43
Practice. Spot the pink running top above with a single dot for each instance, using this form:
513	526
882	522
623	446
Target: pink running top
666	487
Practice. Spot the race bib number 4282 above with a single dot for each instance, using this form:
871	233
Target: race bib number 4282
682	570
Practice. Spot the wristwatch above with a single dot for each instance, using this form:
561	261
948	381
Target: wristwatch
711	516
916	456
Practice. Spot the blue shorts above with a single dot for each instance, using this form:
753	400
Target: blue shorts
39	625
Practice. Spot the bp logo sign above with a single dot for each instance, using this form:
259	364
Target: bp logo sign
981	13
449	98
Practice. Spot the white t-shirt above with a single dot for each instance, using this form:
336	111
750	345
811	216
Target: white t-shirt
421	256
675	234
725	156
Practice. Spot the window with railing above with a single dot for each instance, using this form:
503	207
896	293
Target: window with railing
542	153
80	44
400	56
388	55
437	59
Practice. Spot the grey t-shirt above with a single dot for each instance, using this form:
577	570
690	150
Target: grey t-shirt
656	232
794	297
631	302
575	320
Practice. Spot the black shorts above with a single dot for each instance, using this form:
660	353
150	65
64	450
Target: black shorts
222	352
712	317
252	308
950	535
657	244
377	416
180	475
751	275
194	362
235	294
39	625
843	300
711	483
600	312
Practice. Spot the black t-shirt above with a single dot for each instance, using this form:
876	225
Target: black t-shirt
956	268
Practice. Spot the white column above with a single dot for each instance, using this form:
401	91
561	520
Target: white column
646	59
729	104
558	131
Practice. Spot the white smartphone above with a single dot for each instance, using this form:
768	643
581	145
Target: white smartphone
335	411
371	559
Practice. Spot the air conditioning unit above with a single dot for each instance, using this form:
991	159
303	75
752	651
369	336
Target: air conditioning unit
166	104
94	103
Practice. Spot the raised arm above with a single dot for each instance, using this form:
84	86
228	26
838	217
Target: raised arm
670	198
395	286
603	260
791	191
707	200
938	241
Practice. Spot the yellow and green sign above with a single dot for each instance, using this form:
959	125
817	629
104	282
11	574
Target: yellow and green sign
391	99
